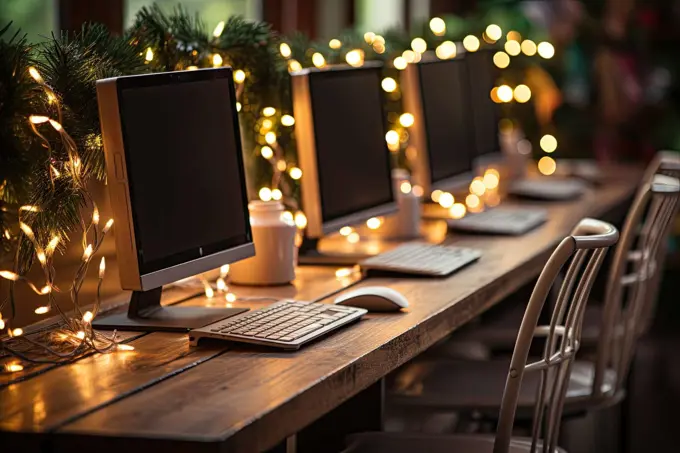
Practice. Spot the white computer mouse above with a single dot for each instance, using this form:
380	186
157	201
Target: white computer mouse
374	298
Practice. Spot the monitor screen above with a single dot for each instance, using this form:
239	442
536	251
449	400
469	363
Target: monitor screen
446	110
485	112
352	156
184	163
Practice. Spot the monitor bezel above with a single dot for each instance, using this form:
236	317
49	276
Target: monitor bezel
185	263
305	133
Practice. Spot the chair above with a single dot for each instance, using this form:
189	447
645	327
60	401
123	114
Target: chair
477	386
499	332
584	250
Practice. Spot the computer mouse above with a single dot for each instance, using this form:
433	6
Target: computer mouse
374	299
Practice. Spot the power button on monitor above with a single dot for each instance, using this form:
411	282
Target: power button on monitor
118	166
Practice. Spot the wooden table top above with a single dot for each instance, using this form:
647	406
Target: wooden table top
223	397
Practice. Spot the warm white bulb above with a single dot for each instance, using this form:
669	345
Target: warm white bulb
405	187
80	335
221	284
547	165
446	200
353	238
477	187
446	50
125	347
346	231
409	56
238	106
239	76
513	48
494	32
26	230
400	63
217	60
42	257
230	297
218	29
87	253
501	60
287	120
88	317
108	226
389	84
419	45
458	211
472	201
438	26
406	119
36	75
284	48
18	332
41	310
334	44
294	66
436	195
149	54
318	60
355	57
522	93
505	93
295	173
546	50
269	111
9	275
369	37
102	267
265	194
528	47
209	292
471	43
224	270
300	219
392	137
491	181
548	143
373	223
267	152
270	137
38	119
277	194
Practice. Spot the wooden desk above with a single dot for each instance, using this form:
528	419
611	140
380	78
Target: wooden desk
167	396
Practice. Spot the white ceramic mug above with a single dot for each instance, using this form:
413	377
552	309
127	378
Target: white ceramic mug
275	254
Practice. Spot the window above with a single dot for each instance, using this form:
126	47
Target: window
36	18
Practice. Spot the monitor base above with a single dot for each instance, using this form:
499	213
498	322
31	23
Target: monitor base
145	314
310	254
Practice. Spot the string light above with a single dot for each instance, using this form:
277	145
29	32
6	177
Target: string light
218	29
102	267
7	275
514	36
436	195
547	165
373	223
505	93
344	272
270	138
369	37
267	152
477	187
29	208
38	119
125	347
230	297
491	180
14	367
95	216
287	120
57	127
392	137
318	60
149	54
471	43
334	44
27	230
41	310
108	226
87	253
80	335
472	201
36	75
239	76
446	50
221	284
192	68
417	191
494	32
446	200
45	290
42	258
284	48
522	93
294	66
295	173
281	165
88	317
209	292
353	238
419	45
277	194
513	48
400	63
529	47
406	119
457	211
2	322
409	56
355	57
501	60
265	194
405	187
438	26
224	270
267	123
238	106
389	84
269	111
300	219
548	143
217	60
346	231
17	332
546	50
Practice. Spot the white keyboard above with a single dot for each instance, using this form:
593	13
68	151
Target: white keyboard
502	220
419	258
287	324
551	189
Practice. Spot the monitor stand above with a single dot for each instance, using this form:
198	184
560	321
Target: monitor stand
146	314
309	253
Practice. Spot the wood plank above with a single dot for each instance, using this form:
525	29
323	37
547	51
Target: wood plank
41	403
249	399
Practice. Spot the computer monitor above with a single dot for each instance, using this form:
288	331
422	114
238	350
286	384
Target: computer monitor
177	187
436	93
485	112
340	132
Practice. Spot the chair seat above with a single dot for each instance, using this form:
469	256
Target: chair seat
500	330
432	443
478	386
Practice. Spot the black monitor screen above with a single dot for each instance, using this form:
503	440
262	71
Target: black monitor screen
485	112
446	110
352	156
184	164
